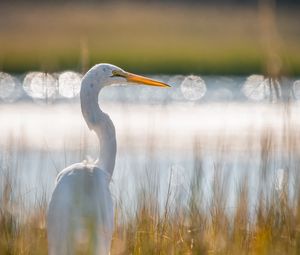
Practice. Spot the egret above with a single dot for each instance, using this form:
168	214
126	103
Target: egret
80	212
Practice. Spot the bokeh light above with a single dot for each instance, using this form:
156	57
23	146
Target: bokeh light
296	89
256	88
10	89
39	85
193	87
69	84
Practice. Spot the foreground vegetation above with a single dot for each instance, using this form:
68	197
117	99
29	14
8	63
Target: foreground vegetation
189	224
147	38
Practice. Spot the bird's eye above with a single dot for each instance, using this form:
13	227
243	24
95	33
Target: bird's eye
116	73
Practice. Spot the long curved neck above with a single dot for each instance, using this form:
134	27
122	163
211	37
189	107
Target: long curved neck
101	123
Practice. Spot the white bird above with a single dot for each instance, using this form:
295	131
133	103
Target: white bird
80	213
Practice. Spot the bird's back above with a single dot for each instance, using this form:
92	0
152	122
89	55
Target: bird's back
80	214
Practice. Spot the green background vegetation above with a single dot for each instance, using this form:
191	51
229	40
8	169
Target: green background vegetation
148	38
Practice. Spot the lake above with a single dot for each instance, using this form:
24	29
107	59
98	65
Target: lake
217	127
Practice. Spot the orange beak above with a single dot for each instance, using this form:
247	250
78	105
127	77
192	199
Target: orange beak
144	80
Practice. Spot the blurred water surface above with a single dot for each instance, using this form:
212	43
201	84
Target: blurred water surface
214	124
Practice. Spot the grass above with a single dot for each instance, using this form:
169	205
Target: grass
193	225
145	38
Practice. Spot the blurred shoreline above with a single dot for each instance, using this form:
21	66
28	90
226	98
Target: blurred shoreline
154	38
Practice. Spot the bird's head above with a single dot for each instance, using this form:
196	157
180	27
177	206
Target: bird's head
106	74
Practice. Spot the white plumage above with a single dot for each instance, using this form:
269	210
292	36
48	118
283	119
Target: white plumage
80	213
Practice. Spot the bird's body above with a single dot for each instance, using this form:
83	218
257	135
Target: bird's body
80	213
